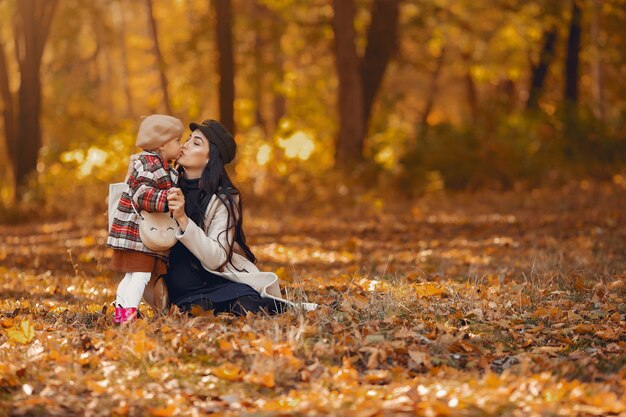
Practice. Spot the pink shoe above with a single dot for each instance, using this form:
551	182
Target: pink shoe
125	315
117	318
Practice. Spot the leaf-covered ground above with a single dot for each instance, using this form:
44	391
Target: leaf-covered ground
468	305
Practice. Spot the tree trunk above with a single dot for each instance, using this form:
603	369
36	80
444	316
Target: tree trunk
349	146
258	82
259	64
156	48
573	52
597	74
120	17
432	93
32	25
8	109
470	88
506	94
540	70
279	104
381	45
226	65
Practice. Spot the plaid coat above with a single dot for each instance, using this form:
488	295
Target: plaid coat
146	189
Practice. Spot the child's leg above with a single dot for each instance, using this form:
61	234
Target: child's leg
121	288
133	290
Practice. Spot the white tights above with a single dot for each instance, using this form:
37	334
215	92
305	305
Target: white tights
131	288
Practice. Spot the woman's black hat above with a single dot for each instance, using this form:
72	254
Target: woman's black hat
217	134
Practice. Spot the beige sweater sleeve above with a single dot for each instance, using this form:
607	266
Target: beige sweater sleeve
211	248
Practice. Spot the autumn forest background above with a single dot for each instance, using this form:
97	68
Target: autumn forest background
405	96
445	177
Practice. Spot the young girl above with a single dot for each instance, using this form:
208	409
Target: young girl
146	189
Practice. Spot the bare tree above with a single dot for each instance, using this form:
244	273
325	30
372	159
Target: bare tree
430	98
156	48
540	70
572	58
381	45
226	64
597	73
349	147
22	113
360	78
120	19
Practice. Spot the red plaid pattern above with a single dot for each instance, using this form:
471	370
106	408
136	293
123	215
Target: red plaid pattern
146	188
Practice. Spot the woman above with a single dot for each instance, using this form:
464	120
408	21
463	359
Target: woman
211	266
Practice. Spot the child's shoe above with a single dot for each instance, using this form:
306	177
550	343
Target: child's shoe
125	315
117	317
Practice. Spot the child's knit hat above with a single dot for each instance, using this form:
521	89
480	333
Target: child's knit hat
158	129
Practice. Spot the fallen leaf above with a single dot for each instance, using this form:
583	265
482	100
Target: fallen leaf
265	379
420	358
23	332
428	289
228	371
162	411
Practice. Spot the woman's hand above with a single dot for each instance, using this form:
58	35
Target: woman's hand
176	203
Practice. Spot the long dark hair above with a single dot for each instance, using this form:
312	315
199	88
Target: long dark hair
215	181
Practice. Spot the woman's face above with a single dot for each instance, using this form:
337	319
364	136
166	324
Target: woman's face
195	151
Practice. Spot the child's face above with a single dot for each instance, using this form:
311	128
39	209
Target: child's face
170	150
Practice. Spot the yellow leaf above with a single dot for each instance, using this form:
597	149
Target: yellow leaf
228	371
23	332
94	308
88	241
282	274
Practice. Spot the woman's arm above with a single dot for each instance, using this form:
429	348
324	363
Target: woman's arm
211	248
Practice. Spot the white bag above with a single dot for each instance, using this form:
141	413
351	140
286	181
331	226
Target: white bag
115	194
157	231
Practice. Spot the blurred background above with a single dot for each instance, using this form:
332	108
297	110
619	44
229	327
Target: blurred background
326	98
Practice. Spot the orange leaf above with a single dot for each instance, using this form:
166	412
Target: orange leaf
97	387
228	371
428	290
163	411
6	322
225	345
378	376
266	379
142	344
346	373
